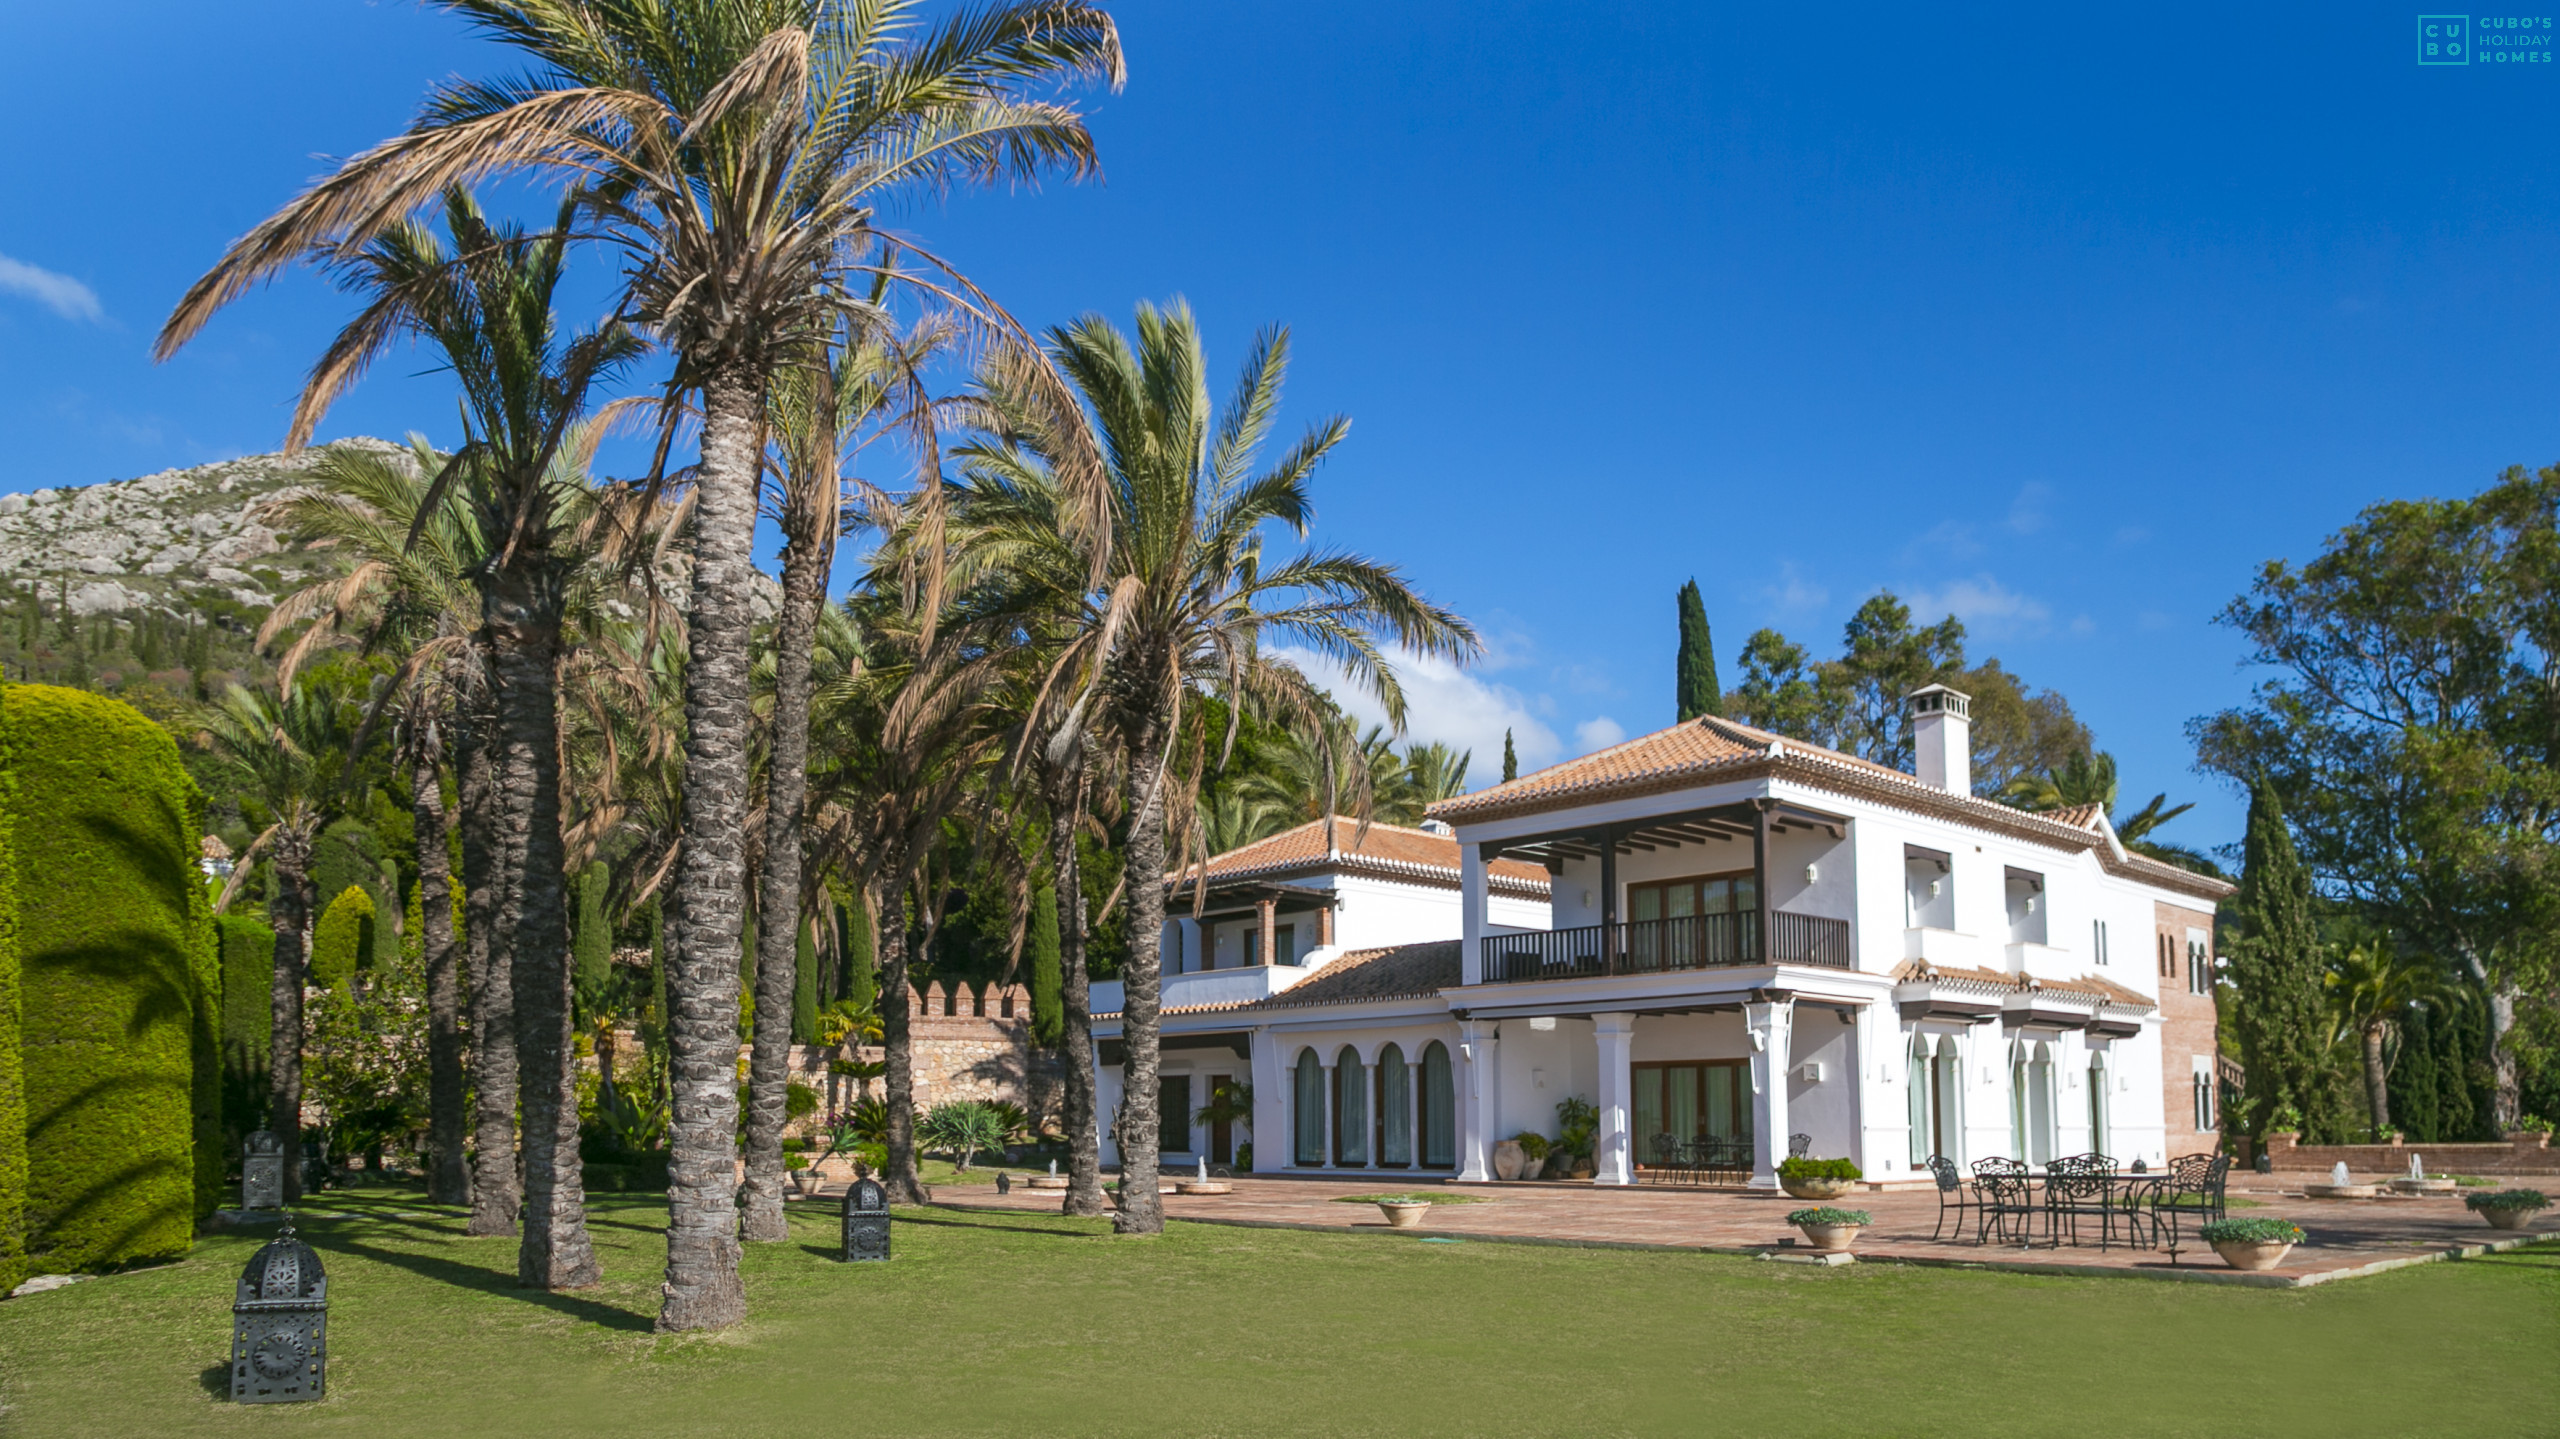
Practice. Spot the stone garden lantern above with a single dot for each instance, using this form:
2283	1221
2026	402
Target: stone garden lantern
262	1172
280	1325
866	1220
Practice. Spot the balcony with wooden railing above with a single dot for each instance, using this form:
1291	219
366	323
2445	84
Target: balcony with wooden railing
1659	946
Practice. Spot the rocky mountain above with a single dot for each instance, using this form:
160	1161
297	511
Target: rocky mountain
180	542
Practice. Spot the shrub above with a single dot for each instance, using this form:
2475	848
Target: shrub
1825	1214
1819	1169
2527	1199
13	1094
1577	1120
1531	1144
2251	1231
2534	1124
342	942
112	947
961	1129
799	1101
248	950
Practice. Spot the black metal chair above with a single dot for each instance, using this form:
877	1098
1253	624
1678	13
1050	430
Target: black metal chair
2193	1185
1669	1165
2079	1186
1799	1146
2003	1190
1953	1196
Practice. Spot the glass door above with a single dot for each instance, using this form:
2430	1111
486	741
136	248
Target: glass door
1704	1099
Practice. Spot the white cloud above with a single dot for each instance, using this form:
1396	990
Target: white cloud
1447	705
2026	512
1988	608
1598	733
61	294
1794	594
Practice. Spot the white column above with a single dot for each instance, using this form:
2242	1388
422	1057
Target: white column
1329	1093
1772	1029
1369	1113
1475	1101
1471	909
1270	1103
1615	1162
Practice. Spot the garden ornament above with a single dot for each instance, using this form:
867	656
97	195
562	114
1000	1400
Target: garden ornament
280	1325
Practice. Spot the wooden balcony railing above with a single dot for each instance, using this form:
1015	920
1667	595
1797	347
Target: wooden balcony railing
1654	946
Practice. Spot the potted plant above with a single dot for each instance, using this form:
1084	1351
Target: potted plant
1577	1125
1830	1230
2252	1244
803	1178
1818	1179
1404	1211
2508	1208
1533	1153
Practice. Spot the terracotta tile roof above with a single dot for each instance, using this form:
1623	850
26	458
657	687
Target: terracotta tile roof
1387	849
2078	816
1708	749
1404	971
1915	971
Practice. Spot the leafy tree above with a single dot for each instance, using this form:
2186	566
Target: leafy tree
2409	728
2373	987
343	941
2275	966
1699	691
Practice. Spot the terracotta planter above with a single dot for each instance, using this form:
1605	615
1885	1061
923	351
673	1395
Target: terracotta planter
2508	1218
1830	1238
1820	1190
1405	1216
1508	1160
2252	1256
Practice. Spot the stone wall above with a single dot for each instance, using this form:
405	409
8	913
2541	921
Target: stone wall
2524	1152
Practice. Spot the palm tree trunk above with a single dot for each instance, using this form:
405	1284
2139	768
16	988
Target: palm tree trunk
448	1177
804	584
2377	1081
1075	993
702	1288
897	1042
497	1191
533	926
290	911
1139	1131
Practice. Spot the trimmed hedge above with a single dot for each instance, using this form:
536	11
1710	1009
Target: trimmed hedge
1048	970
13	1092
591	940
342	942
248	950
109	914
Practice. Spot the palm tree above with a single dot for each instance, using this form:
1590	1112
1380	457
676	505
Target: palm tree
1184	603
734	152
2373	985
488	305
291	754
2088	778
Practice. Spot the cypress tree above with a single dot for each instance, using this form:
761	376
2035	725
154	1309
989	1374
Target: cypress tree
654	1032
1048	972
2414	1110
591	942
1510	759
1700	692
2281	1026
861	979
804	987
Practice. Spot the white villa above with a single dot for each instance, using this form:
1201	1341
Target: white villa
1712	934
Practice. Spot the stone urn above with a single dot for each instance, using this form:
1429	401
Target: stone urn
1404	1213
1508	1160
2508	1218
1830	1238
1821	1191
1047	1181
1202	1186
2252	1255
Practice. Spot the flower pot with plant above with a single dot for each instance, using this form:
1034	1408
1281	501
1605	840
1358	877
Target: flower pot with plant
2252	1244
1404	1211
1829	1230
1577	1126
2508	1208
1533	1153
1818	1179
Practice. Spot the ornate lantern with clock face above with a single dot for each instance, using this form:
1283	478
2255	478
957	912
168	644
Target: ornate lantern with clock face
280	1324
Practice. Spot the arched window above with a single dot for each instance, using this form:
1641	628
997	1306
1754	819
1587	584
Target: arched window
2098	1102
1310	1106
2203	1101
1350	1108
1395	1108
1439	1109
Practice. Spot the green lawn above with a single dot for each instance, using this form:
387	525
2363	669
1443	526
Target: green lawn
1035	1326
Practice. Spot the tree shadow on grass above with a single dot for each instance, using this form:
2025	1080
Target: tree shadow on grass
1005	1228
491	1282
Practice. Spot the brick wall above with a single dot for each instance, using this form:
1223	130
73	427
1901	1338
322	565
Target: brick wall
2187	1023
2524	1152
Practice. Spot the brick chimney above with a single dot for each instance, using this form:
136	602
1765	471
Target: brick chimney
1942	737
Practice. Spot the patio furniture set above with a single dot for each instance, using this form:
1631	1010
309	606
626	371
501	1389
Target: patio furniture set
2007	1197
1709	1160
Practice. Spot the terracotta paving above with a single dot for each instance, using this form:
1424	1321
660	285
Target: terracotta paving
2347	1237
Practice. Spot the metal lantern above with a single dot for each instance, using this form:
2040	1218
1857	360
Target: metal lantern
866	1220
262	1172
280	1325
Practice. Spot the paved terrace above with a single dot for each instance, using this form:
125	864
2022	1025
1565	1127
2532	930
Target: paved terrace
2348	1238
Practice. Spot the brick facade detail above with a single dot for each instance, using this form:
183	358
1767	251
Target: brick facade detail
2188	1024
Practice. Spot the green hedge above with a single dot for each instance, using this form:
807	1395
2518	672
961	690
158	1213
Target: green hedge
113	948
342	942
248	1024
13	1093
349	852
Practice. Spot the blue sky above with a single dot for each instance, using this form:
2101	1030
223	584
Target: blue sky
2060	318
